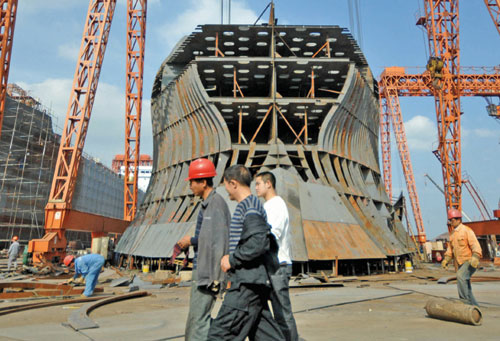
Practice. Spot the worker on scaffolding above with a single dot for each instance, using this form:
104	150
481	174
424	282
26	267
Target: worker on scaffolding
277	217
87	268
210	243
13	253
466	252
252	258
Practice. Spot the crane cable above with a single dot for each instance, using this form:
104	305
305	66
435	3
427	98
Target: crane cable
355	21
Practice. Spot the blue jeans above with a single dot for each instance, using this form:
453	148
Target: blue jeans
464	274
280	301
201	303
91	278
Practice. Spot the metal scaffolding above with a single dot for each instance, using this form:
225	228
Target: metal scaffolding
27	155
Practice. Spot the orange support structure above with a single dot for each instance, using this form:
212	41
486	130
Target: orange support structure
90	59
403	84
493	7
8	10
136	40
446	85
390	104
442	24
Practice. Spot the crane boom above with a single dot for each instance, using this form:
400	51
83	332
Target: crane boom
442	191
481	205
493	7
136	39
8	11
58	210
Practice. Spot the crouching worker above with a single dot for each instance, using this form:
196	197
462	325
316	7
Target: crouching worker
89	267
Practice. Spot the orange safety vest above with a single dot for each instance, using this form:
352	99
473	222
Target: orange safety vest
463	243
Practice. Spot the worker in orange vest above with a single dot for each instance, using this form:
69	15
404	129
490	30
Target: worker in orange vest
466	252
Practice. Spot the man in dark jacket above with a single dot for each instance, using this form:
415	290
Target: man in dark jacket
252	255
210	243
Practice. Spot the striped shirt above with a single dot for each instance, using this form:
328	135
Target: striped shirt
249	205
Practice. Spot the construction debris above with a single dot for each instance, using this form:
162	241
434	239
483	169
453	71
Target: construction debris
14	290
445	280
17	308
119	282
138	284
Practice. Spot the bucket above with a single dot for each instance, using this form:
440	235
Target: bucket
145	268
408	267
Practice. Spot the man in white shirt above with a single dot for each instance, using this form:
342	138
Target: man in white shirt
277	217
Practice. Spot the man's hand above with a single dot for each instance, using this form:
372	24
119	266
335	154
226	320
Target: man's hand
69	281
185	241
444	263
80	280
224	263
474	261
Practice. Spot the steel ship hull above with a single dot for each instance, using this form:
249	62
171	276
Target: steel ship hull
309	113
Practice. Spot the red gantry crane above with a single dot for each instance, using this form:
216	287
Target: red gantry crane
443	80
59	215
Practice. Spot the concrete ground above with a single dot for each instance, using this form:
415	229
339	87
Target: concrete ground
383	307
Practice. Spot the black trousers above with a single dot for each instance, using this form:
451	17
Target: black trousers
245	312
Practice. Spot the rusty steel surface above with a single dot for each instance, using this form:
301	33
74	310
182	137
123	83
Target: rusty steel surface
326	240
484	228
32	289
308	112
29	306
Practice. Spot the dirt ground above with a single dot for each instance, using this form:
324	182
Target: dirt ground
381	307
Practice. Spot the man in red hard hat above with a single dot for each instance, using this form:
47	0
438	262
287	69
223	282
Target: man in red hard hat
210	243
13	253
466	252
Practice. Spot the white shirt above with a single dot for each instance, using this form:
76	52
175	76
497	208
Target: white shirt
277	217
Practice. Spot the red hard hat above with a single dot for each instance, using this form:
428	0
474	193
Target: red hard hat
200	169
15	238
68	259
454	213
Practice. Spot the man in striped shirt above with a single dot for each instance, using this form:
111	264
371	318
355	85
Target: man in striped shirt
245	311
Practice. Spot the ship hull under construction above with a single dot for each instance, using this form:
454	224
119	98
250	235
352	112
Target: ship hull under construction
308	112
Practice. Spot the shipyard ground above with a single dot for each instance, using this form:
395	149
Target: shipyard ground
381	307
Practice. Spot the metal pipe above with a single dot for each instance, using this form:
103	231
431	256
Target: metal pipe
454	311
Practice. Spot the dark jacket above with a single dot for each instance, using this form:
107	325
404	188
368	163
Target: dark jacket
256	255
213	241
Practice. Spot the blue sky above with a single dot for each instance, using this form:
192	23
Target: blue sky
48	36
